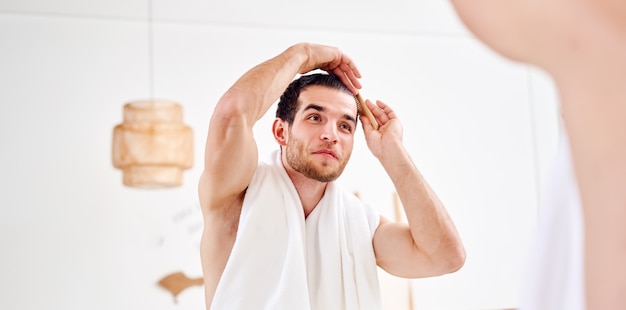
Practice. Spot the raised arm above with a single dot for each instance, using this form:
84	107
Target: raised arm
429	244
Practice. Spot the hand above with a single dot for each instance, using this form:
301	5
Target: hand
389	131
331	60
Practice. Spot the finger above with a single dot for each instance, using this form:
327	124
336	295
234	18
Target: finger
366	124
352	84
382	105
375	121
352	72
354	79
384	111
378	110
349	68
348	65
389	112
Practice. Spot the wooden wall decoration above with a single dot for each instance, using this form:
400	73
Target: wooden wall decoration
177	282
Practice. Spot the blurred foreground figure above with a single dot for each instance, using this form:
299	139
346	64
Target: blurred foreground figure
581	258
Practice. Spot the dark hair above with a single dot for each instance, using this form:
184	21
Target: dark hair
288	103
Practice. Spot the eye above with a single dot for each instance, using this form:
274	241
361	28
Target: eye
314	117
346	127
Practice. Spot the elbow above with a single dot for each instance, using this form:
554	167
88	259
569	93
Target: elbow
230	112
230	105
457	258
454	258
448	259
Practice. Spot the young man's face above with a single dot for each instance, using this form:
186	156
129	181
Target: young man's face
320	140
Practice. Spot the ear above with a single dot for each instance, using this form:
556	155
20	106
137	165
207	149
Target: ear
280	131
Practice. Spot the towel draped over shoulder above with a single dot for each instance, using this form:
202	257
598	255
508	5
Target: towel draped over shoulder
282	261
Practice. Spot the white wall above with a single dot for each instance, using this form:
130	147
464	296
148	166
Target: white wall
479	127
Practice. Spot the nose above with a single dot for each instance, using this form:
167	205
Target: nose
329	134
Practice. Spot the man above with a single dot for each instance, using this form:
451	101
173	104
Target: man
582	45
284	235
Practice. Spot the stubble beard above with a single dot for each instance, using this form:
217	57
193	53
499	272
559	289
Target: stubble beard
296	154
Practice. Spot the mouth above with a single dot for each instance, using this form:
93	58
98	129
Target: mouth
326	152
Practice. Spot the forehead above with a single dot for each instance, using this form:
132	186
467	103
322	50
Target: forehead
327	97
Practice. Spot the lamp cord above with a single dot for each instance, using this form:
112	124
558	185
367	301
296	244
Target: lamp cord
150	53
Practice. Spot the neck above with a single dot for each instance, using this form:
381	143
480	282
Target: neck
309	191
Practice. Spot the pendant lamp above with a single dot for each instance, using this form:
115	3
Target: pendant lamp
152	146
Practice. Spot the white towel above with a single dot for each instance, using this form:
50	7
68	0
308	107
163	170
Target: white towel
282	261
555	279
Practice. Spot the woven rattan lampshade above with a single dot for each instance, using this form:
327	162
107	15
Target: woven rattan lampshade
152	146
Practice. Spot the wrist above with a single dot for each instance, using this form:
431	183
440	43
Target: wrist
391	150
299	54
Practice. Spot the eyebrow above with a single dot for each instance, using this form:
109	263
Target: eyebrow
313	106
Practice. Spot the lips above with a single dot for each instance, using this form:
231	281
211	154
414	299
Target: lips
326	152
